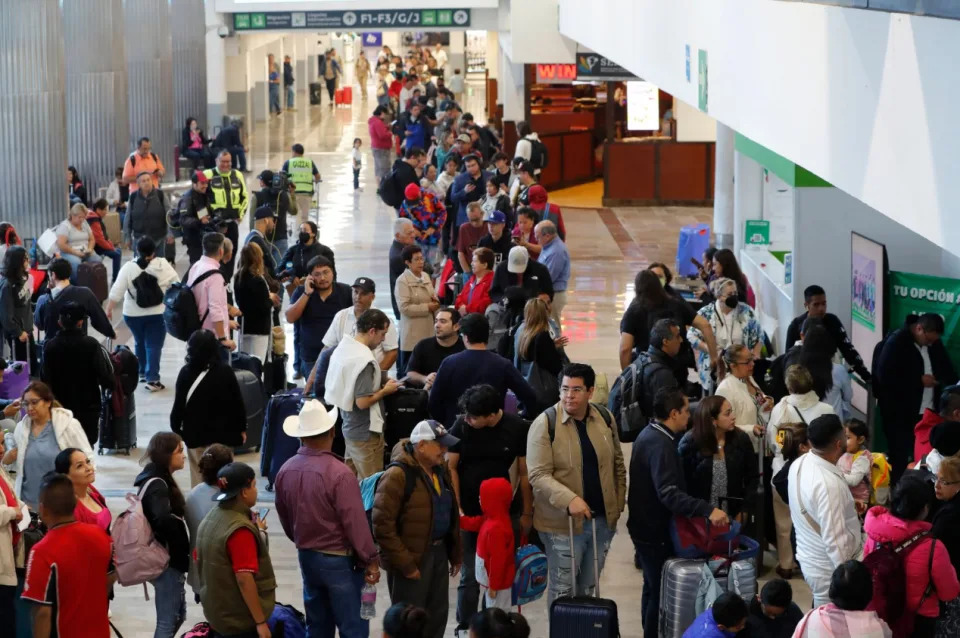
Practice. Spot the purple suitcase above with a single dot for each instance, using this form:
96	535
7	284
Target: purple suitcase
16	377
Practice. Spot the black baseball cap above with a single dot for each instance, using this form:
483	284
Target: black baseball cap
266	175
264	212
231	479
365	284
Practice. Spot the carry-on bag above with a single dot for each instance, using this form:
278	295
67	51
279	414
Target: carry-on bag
16	377
316	90
118	408
253	403
276	446
584	616
402	410
679	584
93	275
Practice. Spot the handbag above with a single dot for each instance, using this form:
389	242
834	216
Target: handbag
34	533
279	340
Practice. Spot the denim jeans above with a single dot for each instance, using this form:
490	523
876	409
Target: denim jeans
290	95
468	591
651	557
558	559
116	255
356	178
275	98
331	595
149	334
171	602
76	261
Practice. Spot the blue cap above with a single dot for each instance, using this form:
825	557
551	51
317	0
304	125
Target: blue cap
495	217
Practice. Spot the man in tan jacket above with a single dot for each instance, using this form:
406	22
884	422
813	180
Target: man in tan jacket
576	469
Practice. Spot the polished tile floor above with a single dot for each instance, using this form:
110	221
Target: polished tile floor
608	247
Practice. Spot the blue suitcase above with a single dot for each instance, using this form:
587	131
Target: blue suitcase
275	446
694	240
584	616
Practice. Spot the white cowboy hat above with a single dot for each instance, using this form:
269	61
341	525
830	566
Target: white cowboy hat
313	419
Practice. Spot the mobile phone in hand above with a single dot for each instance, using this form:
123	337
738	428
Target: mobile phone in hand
262	513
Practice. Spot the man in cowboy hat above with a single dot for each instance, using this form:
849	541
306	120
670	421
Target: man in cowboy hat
319	506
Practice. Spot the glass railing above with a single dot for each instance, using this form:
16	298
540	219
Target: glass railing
932	8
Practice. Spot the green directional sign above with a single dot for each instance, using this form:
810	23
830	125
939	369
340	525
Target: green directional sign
702	83
258	21
241	20
428	18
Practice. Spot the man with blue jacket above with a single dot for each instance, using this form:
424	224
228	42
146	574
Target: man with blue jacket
468	186
657	493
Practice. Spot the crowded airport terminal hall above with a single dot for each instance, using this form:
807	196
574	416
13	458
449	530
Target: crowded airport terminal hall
479	319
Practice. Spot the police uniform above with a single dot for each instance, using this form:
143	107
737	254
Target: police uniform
228	199
300	171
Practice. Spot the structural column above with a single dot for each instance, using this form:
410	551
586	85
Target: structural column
748	194
188	37
216	67
96	90
150	77
33	146
723	187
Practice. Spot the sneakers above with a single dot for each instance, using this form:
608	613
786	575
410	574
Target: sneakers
143	379
155	386
297	375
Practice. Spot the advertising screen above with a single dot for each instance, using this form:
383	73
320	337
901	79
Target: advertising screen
868	281
643	106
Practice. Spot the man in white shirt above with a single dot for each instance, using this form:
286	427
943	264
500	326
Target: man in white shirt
822	508
345	323
440	56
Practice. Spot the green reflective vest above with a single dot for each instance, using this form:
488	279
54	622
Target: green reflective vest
227	195
300	171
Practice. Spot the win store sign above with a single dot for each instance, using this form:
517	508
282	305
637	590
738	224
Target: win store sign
912	294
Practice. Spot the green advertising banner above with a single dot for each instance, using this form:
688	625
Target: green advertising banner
917	294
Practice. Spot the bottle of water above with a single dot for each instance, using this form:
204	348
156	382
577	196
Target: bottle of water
368	601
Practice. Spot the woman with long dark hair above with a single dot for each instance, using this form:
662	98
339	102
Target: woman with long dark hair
8	238
164	507
718	460
725	265
91	505
194	145
652	303
255	301
78	192
16	316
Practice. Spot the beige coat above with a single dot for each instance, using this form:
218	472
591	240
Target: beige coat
413	298
556	471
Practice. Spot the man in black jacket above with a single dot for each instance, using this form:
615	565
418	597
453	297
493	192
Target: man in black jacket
658	367
911	371
520	271
657	493
815	301
279	201
47	314
195	216
77	369
229	140
404	234
404	171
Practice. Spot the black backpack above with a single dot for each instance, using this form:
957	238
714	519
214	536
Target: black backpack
181	316
551	413
146	290
627	399
538	154
390	190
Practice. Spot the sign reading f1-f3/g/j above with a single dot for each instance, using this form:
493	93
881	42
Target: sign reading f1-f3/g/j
385	19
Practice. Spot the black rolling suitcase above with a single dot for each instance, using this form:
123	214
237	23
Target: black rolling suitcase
276	446
584	616
402	410
316	89
253	404
118	423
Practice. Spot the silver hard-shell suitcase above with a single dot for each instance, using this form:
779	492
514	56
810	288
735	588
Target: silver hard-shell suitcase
678	595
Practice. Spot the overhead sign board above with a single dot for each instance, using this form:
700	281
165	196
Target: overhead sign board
591	66
556	73
348	20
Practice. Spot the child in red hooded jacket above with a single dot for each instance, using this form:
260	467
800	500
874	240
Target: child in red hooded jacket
495	564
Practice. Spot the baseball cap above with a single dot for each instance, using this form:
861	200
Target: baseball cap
431	430
264	212
412	191
199	177
266	175
463	137
495	217
538	196
232	478
517	260
365	284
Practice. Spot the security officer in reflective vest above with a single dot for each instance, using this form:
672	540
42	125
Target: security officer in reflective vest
304	175
228	199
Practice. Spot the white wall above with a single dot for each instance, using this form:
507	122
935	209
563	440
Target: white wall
534	36
493	55
693	125
822	227
864	99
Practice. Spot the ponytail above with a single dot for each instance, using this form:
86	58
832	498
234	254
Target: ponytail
496	623
791	436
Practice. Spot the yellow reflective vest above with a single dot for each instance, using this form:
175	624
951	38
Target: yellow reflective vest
227	194
300	172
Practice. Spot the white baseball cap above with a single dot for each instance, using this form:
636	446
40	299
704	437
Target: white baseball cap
431	430
517	260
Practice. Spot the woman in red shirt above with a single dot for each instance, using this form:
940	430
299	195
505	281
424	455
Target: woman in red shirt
91	506
475	296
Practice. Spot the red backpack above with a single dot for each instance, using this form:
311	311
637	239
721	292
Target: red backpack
885	564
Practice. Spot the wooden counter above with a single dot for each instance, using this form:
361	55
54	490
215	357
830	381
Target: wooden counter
658	172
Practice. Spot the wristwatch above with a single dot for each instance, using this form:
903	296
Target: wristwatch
221	338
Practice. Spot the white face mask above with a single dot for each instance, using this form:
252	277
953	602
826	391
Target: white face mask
663	282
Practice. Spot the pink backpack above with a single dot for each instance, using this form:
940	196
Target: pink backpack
138	556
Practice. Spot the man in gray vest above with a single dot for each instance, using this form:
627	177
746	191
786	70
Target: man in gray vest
147	217
305	176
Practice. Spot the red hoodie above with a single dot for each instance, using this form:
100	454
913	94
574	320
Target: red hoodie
495	546
921	434
883	527
380	136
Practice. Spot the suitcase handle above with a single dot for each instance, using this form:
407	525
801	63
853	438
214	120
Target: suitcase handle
13	353
573	558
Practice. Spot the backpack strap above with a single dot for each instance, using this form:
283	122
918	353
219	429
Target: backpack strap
799	414
410	478
205	275
803	509
930	588
551	413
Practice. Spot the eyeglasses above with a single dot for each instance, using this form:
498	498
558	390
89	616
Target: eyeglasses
743	363
940	481
33	402
576	390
